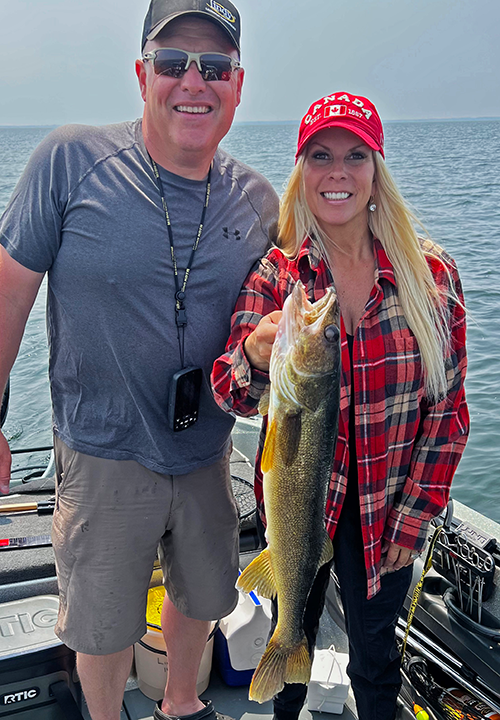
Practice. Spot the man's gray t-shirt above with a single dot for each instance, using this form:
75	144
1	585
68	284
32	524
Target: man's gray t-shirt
87	210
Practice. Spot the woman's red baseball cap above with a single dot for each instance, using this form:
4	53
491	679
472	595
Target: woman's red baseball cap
341	109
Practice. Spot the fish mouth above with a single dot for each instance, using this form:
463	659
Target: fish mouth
310	314
314	313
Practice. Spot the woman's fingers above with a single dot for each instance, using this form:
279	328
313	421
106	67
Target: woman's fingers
397	557
259	344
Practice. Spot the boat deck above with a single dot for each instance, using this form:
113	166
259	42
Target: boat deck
233	701
227	700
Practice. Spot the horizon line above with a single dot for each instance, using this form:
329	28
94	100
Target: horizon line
385	122
277	122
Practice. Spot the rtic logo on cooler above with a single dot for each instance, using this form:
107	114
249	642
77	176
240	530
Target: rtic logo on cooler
221	10
20	624
19	697
335	110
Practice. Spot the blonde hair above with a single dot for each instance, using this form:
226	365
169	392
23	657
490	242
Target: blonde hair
393	224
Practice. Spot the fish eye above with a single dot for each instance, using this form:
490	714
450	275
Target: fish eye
331	333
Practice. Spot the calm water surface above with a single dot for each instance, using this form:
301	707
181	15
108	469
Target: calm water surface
449	173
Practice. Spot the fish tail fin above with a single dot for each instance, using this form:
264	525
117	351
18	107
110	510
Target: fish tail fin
259	576
278	666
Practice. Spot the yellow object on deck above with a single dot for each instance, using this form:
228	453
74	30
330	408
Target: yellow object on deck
156	596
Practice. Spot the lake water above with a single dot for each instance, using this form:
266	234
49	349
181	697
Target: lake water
449	173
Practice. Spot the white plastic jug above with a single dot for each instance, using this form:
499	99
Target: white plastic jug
246	631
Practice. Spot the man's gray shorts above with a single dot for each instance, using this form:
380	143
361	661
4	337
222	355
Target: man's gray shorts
109	519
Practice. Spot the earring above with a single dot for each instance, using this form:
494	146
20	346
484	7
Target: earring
372	207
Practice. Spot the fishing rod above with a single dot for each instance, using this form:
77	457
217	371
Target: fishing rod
41	508
23	542
45	448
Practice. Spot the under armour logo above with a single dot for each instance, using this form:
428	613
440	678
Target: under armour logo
227	233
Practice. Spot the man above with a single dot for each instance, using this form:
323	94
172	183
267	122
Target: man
147	231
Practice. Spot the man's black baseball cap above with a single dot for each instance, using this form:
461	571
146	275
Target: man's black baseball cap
221	12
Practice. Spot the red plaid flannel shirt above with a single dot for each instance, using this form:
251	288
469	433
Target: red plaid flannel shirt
407	448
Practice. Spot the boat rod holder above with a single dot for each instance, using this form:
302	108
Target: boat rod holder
463	555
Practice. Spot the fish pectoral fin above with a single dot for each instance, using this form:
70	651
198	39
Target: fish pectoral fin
259	576
327	552
266	461
264	401
280	665
291	431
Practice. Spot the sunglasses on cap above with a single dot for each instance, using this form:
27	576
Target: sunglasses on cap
174	63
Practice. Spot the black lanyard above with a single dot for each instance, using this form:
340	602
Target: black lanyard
180	292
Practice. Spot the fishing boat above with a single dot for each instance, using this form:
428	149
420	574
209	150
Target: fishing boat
451	658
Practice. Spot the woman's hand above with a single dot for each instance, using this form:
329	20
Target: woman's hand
259	344
397	557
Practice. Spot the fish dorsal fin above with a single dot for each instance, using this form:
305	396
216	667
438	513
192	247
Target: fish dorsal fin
259	576
291	430
327	552
267	459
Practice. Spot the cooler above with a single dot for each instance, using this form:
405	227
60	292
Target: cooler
37	671
242	638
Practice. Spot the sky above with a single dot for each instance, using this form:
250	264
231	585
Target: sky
67	61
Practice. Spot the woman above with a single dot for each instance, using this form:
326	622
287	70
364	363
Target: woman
403	416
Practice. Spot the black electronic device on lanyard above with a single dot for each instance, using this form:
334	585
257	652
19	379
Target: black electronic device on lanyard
185	387
184	398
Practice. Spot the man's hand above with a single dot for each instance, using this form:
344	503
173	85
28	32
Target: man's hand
259	344
5	463
397	557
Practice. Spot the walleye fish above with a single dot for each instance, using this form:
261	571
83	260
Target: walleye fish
297	464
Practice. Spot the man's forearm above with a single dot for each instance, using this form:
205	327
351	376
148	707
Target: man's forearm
18	289
11	332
